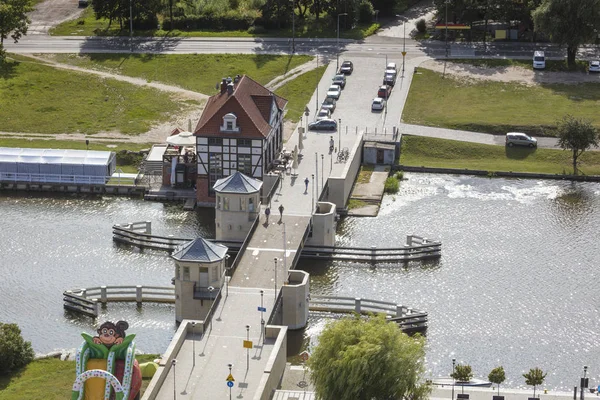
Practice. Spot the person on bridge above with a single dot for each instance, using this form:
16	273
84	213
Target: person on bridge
306	181
281	212
331	144
267	213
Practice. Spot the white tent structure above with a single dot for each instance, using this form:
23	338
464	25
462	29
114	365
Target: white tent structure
55	165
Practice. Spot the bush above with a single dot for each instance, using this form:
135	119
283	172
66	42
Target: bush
15	352
257	30
232	21
399	175
421	25
462	373
365	11
391	185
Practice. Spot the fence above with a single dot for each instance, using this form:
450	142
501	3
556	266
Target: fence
52	178
139	234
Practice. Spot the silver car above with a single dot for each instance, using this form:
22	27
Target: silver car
594	66
520	139
334	91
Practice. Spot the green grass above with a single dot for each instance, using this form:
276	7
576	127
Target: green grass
354	203
443	153
88	25
298	92
42	99
551	65
197	72
364	175
497	107
50	379
391	185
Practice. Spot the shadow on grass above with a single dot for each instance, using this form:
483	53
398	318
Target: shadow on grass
8	69
519	153
5	379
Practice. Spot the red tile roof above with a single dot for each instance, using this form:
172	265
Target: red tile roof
250	102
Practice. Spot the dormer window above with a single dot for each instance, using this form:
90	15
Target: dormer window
230	123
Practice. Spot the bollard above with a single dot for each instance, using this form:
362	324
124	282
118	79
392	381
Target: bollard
398	310
574	392
357	305
96	310
148	227
409	239
103	296
83	293
138	294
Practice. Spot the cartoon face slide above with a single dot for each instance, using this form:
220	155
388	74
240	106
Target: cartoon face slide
110	334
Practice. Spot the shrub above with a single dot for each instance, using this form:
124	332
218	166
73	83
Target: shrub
365	11
421	25
399	175
462	373
257	30
391	185
15	352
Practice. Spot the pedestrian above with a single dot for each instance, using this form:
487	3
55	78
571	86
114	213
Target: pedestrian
281	212
331	144
306	181
267	213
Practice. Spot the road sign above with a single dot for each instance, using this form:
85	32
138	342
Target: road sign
403	53
306	111
230	378
230	384
247	344
262	309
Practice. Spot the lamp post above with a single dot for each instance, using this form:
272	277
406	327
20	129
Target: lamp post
317	98
339	134
247	349
583	382
131	26
173	363
285	273
262	320
313	194
293	27
337	64
275	300
194	343
446	35
453	365
317	171
322	170
227	268
403	40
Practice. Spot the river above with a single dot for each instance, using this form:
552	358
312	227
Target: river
515	285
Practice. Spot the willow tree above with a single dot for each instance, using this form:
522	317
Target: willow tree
368	359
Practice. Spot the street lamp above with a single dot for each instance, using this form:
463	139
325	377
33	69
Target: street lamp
293	27
446	35
313	194
453	365
584	383
339	134
285	273
194	342
247	348
322	170
337	64
404	41
173	362
131	26
275	300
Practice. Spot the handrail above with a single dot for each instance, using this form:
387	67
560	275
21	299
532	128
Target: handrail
52	178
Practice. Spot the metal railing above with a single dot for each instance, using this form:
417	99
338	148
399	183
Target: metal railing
137	293
52	178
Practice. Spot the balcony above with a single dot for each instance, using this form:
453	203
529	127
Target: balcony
203	293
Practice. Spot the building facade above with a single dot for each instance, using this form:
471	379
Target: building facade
241	129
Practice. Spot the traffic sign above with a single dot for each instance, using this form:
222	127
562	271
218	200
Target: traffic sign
262	309
403	53
230	378
230	384
247	344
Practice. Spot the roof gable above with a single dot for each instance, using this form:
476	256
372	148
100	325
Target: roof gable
200	250
237	183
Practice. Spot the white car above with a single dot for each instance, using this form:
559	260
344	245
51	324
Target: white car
594	66
520	139
391	68
378	104
334	91
324	113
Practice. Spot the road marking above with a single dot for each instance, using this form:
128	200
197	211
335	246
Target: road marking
256	250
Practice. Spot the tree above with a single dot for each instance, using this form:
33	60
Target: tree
497	376
576	135
462	373
534	377
15	352
365	359
13	20
568	22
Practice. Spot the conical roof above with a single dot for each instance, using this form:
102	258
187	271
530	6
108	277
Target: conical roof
237	183
200	250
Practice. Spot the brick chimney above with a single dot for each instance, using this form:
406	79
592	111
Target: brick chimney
223	85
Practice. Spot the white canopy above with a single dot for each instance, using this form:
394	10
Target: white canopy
182	139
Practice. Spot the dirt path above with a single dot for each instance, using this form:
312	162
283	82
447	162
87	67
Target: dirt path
281	80
51	13
510	74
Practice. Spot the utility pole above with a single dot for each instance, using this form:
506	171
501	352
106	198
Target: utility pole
337	64
131	26
275	299
317	98
322	170
446	35
285	273
313	194
293	26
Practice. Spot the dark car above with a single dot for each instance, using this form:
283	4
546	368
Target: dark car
347	68
323	125
340	80
384	91
329	103
389	79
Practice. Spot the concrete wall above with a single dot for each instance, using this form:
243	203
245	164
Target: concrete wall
295	303
269	181
235	223
370	156
341	187
186	307
323	225
275	365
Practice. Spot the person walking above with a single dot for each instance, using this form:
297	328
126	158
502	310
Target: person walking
267	213
281	212
331	144
306	182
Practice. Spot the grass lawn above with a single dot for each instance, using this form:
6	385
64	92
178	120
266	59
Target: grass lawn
42	99
497	107
443	153
364	175
551	65
298	92
197	72
88	25
50	379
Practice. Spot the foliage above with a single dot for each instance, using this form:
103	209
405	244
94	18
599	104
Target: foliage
364	175
13	21
354	203
399	175
462	373
298	92
365	11
144	12
359	358
15	353
391	185
569	22
534	377
576	135
421	25
497	376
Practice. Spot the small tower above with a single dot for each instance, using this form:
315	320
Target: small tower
199	274
237	205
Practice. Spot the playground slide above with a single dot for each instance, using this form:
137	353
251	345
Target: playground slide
106	367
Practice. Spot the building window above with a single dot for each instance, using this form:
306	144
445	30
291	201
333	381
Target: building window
215	169
226	203
218	202
177	272
215	141
230	123
244	142
251	204
242	204
186	273
244	164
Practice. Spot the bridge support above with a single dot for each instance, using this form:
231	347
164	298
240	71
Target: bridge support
323	225
295	300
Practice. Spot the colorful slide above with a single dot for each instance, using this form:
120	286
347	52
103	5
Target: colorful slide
106	365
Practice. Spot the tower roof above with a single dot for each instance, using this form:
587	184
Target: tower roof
237	183
200	250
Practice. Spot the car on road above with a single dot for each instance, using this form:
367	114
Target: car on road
520	139
539	60
378	104
329	103
347	68
391	67
323	113
384	91
389	79
594	66
323	125
340	80
334	91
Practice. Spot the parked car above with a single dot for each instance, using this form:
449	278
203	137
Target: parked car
391	67
323	113
378	104
520	139
83	3
389	79
323	125
347	68
334	91
329	103
594	66
539	60
340	80
384	91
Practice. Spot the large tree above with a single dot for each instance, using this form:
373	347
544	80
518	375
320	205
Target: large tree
576	135
367	359
568	22
13	20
